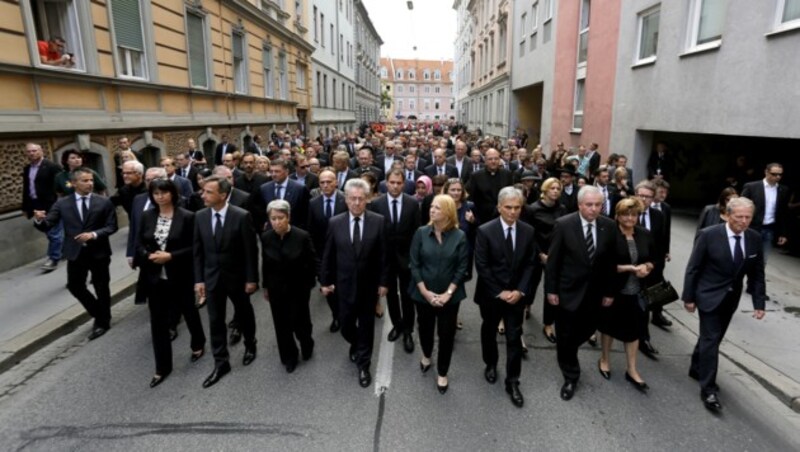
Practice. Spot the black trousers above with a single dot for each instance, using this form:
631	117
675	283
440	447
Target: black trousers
357	318
713	326
574	328
217	304
164	299
292	319
548	310
491	312
444	321
98	305
401	307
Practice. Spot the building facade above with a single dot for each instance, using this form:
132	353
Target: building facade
334	66
368	55
462	61
420	88
156	71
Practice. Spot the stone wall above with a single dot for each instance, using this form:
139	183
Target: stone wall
13	159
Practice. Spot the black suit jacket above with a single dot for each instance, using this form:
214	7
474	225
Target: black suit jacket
251	185
380	162
311	181
45	187
295	193
137	208
235	263
318	223
288	264
179	244
711	274
356	276
755	192
483	188
191	175
102	220
570	201
449	170
466	167
398	236
570	273
645	250
497	270
231	148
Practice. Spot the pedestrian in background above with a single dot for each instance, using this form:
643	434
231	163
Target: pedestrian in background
714	214
71	160
38	193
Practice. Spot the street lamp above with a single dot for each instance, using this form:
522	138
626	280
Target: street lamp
410	5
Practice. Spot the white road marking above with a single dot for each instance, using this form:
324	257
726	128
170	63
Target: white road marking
383	373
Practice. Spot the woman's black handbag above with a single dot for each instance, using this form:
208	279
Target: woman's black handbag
659	295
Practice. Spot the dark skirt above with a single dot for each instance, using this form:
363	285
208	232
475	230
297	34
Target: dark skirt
621	320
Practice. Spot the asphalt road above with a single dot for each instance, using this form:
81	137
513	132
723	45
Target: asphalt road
79	395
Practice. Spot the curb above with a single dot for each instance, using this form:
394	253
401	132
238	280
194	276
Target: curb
776	382
25	344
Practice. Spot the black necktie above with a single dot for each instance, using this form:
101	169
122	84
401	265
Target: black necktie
410	176
328	208
84	209
218	230
278	191
394	212
642	221
590	241
441	170
738	255
509	241
356	236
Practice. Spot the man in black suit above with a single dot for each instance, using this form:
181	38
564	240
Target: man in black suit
385	160
223	148
661	164
183	184
485	185
652	220
660	204
321	209
225	266
365	165
504	260
341	163
186	170
354	266
410	169
38	193
249	181
440	165
192	153
133	176
569	191
772	207
721	257
475	160
594	159
88	221
302	173
281	187
402	216
581	266
601	181
461	162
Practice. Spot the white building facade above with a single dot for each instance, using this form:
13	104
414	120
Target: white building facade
368	54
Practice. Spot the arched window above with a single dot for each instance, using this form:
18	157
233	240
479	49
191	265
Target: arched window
437	75
411	74
426	74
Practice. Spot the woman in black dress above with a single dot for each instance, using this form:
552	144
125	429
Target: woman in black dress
542	215
621	320
288	273
467	222
164	255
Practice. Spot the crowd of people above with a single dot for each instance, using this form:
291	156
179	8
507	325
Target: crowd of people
410	214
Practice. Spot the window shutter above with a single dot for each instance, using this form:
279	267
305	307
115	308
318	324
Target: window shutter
197	50
127	24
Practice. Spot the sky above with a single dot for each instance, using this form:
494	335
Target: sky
430	26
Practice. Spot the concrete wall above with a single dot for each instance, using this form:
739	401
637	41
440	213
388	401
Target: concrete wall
747	86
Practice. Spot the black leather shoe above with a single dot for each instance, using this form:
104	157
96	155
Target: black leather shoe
249	355
173	334
158	379
491	374
568	390
711	402
649	351
425	367
592	340
604	373
512	389
215	376
197	354
236	336
640	385
307	351
97	332
550	337
393	335
290	367
335	326
364	378
660	320
693	374
408	343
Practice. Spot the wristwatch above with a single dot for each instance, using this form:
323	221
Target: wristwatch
449	292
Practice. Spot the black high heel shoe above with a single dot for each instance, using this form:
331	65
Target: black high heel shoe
442	388
639	385
425	367
604	373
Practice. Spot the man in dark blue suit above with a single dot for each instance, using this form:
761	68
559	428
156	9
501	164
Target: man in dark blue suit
354	266
281	187
440	165
321	209
721	257
183	184
88	221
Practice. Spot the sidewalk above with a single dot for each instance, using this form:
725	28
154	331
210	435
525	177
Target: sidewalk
37	309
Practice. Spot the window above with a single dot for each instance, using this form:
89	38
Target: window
322	30
283	75
412	89
300	75
316	24
399	105
437	89
196	35
501	105
580	93
522	35
325	90
583	33
426	89
427	104
127	21
239	63
789	12
269	76
60	19
648	35
534	25
707	20
436	104
437	75
426	75
341	45
333	90
319	89
501	57
548	10
333	40
412	105
411	75
399	88
384	72
398	74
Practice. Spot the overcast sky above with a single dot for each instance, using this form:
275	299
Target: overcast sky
430	26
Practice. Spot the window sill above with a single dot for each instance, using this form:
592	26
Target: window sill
707	47
788	27
575	131
644	63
